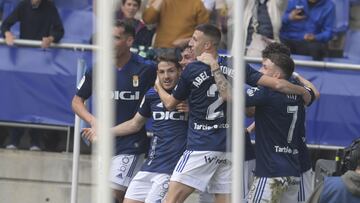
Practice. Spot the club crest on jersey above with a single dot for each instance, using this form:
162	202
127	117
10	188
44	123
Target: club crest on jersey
251	91
135	80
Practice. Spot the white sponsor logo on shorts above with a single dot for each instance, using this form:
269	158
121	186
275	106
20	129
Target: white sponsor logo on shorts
125	161
216	160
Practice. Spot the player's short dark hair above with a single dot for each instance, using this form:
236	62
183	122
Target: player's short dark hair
210	31
137	1
186	46
284	62
129	29
275	47
169	58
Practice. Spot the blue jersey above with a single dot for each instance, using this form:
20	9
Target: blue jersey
304	154
207	120
252	76
132	82
169	140
279	119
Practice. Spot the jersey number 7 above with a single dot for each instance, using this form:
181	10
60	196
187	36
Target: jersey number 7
293	110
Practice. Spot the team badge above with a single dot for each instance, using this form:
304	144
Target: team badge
251	91
135	81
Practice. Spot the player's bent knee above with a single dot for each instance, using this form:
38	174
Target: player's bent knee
178	192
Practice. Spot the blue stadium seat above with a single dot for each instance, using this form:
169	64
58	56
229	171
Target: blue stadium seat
352	41
74	4
342	12
78	25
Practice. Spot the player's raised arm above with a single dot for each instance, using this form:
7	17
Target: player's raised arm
222	83
307	83
168	100
285	86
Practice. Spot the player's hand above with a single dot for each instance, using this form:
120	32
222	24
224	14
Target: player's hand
157	84
46	41
9	38
208	59
89	133
183	107
306	96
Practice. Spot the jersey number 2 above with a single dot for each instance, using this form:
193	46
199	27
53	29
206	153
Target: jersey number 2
211	113
293	110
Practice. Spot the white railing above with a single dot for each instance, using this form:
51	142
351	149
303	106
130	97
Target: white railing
36	43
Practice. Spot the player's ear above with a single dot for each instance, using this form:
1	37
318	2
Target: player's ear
207	44
277	74
130	41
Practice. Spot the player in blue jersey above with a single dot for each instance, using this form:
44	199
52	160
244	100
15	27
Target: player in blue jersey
207	123
306	175
204	165
150	184
134	77
279	118
249	165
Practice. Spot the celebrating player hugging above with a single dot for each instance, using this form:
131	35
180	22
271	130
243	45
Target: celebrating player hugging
188	108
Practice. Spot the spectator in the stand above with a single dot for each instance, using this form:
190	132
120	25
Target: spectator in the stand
39	20
15	135
176	20
307	27
128	10
345	188
262	21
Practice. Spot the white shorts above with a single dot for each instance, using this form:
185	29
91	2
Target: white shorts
123	169
306	186
276	189
205	171
148	187
249	168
